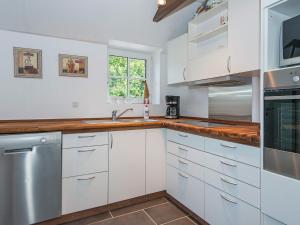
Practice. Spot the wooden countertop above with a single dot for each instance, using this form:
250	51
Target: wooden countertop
243	133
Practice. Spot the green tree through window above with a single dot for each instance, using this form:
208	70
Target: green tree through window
126	77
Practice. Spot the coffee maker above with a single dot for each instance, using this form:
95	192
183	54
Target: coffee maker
173	109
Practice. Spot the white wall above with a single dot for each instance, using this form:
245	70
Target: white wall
53	96
194	100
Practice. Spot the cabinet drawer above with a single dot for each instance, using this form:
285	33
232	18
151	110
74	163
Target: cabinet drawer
223	209
240	171
185	152
233	187
85	160
84	192
85	139
186	166
190	140
242	153
186	189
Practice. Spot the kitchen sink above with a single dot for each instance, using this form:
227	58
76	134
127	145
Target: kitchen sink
117	121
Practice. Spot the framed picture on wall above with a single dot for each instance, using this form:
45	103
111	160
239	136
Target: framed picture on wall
28	62
73	66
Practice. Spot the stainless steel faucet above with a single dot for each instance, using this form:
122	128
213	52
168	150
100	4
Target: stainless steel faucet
114	113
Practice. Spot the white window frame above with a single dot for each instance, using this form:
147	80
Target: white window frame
130	55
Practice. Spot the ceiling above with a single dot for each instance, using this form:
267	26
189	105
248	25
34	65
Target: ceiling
94	20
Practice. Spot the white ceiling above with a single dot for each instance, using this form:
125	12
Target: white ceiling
94	20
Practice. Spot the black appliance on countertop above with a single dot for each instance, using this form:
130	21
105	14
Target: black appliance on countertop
173	109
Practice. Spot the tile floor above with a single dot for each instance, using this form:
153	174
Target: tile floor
155	212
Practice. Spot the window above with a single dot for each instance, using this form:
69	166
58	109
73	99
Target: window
127	77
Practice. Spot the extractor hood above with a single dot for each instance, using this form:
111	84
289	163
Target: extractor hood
228	80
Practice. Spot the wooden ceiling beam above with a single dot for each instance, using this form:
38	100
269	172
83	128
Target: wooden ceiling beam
171	7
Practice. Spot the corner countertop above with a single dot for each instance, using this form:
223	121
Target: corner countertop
244	133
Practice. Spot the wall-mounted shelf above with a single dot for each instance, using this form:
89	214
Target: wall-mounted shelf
207	35
210	13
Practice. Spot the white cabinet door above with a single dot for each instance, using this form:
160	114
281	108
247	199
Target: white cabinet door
208	66
244	35
84	192
84	160
186	189
280	197
177	59
223	209
126	165
155	160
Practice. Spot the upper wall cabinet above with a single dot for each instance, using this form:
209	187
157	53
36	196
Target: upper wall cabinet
224	40
177	60
244	35
208	44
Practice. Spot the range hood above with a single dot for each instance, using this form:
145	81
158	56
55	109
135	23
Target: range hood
227	81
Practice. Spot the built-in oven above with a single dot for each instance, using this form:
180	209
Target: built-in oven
282	122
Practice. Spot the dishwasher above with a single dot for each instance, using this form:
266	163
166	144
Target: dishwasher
30	178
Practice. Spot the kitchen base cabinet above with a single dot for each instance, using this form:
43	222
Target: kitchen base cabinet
186	189
155	160
127	167
84	192
223	209
85	160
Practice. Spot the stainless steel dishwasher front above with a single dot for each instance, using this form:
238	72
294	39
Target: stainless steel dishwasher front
30	178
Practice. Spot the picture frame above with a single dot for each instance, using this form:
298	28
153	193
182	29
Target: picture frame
73	65
27	62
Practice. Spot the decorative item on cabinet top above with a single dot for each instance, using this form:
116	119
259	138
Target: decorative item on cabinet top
73	66
27	62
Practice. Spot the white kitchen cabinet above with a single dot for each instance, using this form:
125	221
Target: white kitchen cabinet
155	160
84	171
127	165
186	166
177	59
244	35
237	170
85	160
210	65
243	153
85	139
191	140
223	209
84	192
236	188
186	189
280	198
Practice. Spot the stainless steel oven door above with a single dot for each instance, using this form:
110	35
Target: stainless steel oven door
282	132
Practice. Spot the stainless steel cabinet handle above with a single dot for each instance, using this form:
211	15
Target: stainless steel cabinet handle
227	199
228	64
228	164
180	174
182	149
183	135
285	97
111	141
90	136
181	162
83	179
227	146
17	151
183	73
89	150
228	182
